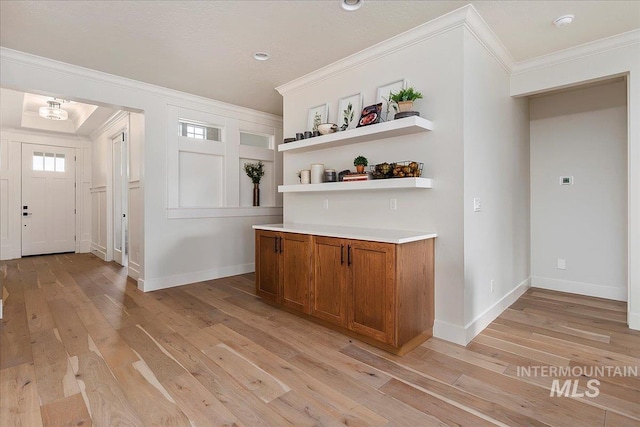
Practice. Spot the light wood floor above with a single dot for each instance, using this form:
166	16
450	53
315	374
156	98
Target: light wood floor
80	346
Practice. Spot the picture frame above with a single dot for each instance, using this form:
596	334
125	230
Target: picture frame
348	109
316	116
370	115
382	96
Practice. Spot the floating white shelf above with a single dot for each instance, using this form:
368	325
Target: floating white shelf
372	184
400	127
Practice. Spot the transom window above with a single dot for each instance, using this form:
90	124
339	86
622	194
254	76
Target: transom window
197	131
48	162
255	140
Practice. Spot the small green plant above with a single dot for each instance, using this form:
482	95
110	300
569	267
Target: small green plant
408	94
255	171
360	160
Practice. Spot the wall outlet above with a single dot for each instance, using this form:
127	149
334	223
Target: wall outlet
493	285
477	204
393	204
325	204
562	264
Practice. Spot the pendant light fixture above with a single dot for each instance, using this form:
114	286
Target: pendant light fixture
53	111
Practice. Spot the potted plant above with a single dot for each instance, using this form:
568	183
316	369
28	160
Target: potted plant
360	162
255	171
405	97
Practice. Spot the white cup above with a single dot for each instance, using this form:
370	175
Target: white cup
305	176
317	173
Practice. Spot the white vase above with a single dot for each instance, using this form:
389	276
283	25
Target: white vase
305	176
317	173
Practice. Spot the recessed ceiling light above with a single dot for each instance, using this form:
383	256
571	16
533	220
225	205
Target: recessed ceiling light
261	56
351	5
563	20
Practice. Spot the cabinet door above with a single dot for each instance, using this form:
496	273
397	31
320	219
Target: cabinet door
267	265
328	294
295	270
371	289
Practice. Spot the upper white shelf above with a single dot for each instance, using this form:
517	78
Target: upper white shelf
372	184
400	127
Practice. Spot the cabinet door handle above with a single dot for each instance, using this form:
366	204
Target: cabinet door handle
275	244
348	254
280	244
341	254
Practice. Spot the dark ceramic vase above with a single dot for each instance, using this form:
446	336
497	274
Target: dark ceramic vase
256	194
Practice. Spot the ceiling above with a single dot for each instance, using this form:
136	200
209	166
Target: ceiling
20	111
205	47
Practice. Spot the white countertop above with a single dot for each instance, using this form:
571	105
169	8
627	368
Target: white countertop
372	234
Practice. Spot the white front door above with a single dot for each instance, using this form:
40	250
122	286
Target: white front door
48	199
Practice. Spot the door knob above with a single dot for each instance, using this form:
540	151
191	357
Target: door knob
26	214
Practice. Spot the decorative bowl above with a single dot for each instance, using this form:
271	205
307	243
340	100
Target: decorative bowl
326	128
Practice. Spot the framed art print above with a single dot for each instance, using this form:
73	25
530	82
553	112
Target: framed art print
370	115
389	108
348	109
317	115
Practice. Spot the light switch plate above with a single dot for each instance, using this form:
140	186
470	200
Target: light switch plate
477	204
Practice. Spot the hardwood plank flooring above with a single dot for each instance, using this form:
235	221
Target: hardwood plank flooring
81	345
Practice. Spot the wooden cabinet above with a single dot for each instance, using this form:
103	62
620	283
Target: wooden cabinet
283	268
381	293
353	285
370	289
328	289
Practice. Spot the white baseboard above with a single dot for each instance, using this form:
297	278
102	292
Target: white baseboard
449	332
7	253
0	309
463	336
489	315
588	289
158	283
99	251
84	246
634	321
133	270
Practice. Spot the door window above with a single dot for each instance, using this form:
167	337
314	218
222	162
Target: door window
48	162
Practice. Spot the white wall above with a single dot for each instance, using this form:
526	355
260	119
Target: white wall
602	59
11	141
136	202
435	67
479	148
580	133
496	170
190	245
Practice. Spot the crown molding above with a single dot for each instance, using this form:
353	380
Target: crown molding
479	28
466	16
425	31
577	52
23	58
115	117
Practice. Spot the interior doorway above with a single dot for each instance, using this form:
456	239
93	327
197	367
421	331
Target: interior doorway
120	205
48	199
579	190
